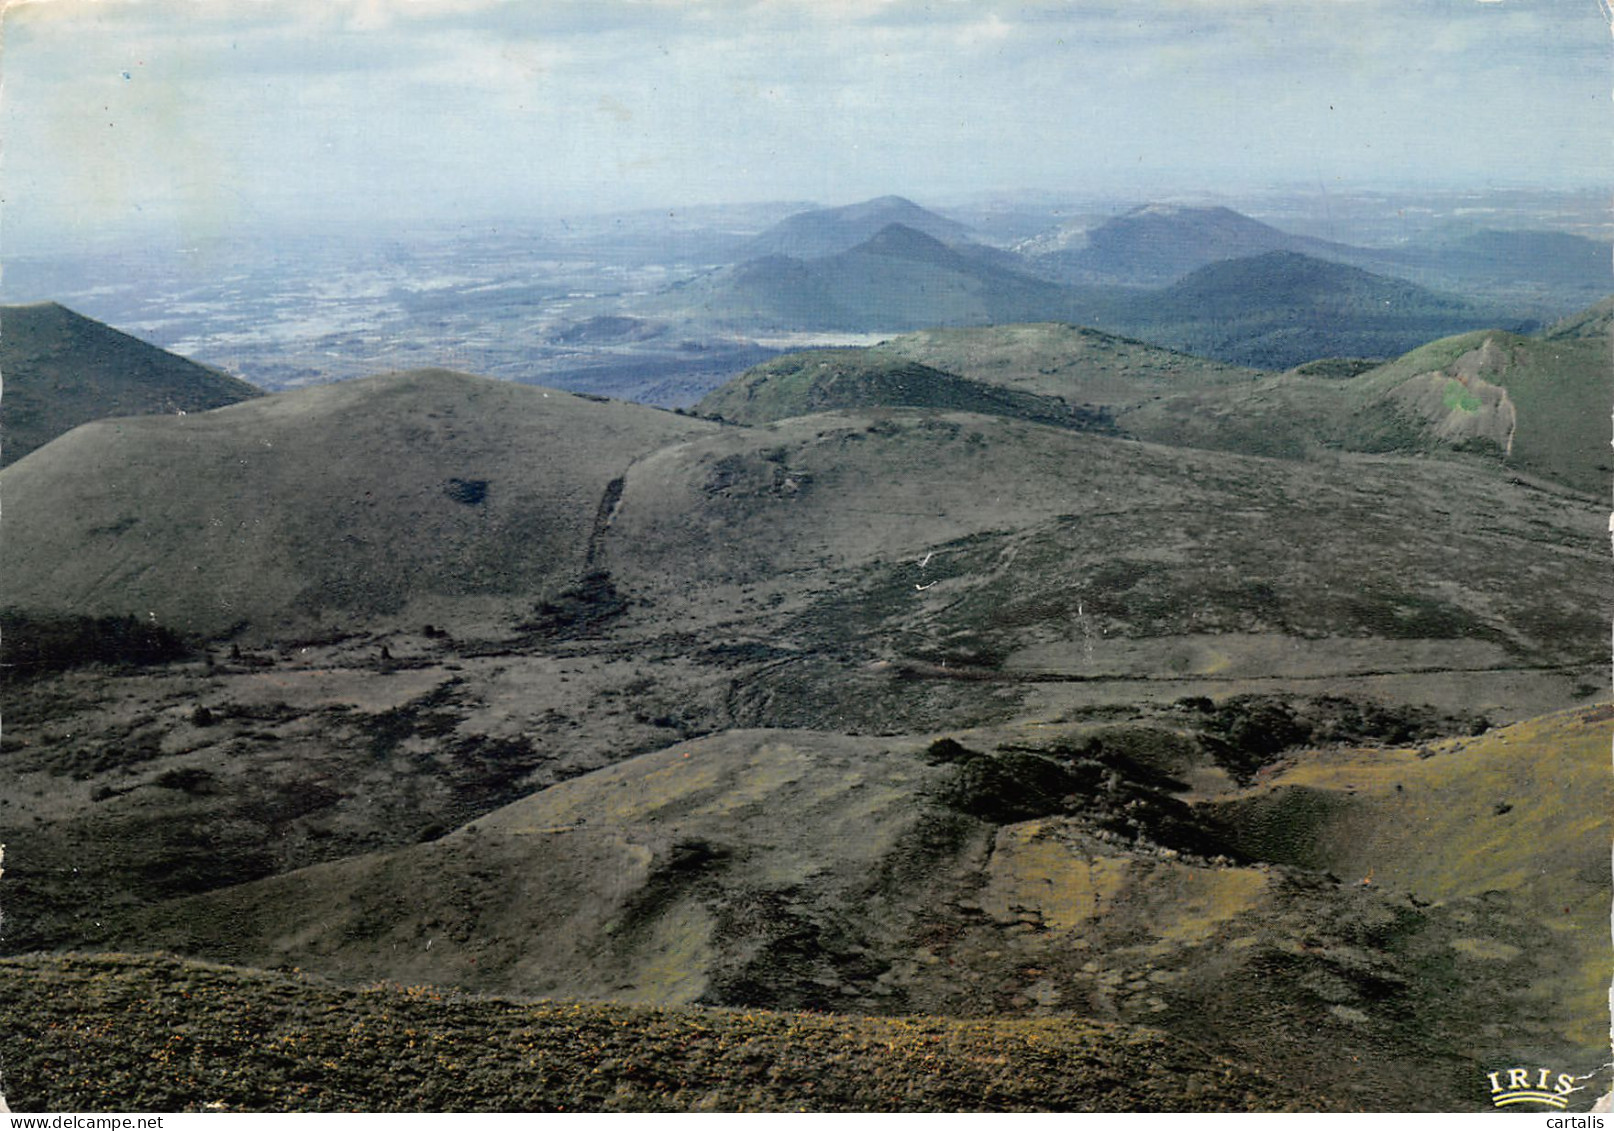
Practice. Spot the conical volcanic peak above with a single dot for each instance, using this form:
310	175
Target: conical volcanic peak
62	369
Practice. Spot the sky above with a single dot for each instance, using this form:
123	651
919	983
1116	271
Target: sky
206	115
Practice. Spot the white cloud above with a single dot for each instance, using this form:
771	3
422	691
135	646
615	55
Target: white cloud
496	103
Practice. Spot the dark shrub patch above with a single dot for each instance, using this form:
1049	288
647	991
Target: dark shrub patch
34	645
471	492
189	780
1247	732
578	611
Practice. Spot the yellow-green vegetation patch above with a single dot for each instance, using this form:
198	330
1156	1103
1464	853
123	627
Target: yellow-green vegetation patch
1486	949
1457	395
1045	872
119	1033
1188	903
1527	805
1035	874
1505	834
679	954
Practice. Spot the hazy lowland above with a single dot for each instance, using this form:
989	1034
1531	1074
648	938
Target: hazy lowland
1105	655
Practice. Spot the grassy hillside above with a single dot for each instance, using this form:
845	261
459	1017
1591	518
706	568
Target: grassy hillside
1538	785
1514	825
387	497
294	504
122	1033
835	572
659	880
1150	541
62	370
1076	363
1531	404
819	380
1534	405
1594	322
1358	903
1556	391
839	572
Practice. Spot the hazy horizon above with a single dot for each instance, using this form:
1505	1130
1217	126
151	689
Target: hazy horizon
202	119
